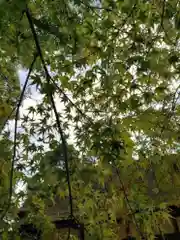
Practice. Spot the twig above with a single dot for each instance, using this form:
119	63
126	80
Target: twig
127	201
8	117
15	137
96	7
159	29
69	234
162	14
72	103
93	8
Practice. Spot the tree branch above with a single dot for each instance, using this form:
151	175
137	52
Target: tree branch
48	78
15	137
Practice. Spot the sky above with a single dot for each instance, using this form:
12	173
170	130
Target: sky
31	100
33	97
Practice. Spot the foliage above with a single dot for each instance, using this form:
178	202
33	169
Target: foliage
9	90
115	67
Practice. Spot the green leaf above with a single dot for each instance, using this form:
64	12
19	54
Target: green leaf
105	125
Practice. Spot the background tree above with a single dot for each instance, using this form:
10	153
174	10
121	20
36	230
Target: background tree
115	67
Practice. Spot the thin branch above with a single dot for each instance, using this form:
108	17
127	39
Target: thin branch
93	8
128	202
72	103
162	14
15	138
48	77
69	233
96	7
8	117
175	99
159	28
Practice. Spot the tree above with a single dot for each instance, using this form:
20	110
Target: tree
116	74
